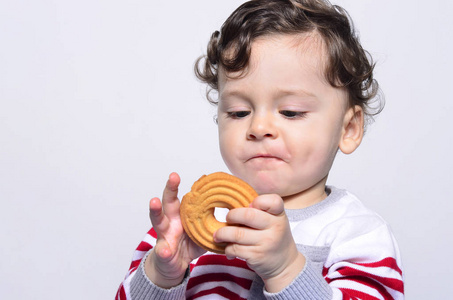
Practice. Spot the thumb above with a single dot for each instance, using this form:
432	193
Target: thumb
271	203
162	250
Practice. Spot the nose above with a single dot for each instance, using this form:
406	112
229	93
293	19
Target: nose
261	126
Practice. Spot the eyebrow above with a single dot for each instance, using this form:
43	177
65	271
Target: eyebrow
232	93
294	92
279	93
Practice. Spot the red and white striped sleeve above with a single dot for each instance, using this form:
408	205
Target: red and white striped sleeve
366	267
368	280
148	242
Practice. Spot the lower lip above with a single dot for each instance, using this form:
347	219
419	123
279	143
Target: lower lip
265	159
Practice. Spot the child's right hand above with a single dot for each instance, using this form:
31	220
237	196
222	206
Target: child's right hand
166	265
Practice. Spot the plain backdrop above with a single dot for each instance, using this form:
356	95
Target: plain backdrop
98	104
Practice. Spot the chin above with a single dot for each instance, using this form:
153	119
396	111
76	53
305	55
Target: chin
262	183
265	188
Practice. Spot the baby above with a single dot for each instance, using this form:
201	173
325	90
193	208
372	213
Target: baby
294	86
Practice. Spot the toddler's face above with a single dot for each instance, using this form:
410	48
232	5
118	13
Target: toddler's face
280	124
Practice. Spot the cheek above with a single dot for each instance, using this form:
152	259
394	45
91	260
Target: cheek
224	136
315	149
227	143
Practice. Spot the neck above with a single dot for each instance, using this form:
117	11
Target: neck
308	197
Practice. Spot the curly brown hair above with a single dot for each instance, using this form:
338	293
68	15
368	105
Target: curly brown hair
348	65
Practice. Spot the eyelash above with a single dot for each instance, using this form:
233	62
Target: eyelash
238	114
286	113
290	114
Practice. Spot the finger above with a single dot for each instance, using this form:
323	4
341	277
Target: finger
233	251
248	216
237	235
170	201
157	216
270	203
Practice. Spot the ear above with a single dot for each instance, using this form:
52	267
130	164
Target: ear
352	132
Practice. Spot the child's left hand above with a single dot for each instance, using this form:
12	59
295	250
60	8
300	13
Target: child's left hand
266	243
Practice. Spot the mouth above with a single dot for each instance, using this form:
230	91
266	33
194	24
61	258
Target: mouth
264	157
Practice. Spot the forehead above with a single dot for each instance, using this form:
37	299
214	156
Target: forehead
282	61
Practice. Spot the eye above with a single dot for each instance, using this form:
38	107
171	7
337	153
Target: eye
290	114
238	114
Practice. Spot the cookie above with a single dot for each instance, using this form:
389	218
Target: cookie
197	207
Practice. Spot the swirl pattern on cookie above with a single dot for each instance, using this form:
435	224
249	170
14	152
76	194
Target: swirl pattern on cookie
197	207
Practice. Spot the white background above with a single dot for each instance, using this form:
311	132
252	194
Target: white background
98	104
